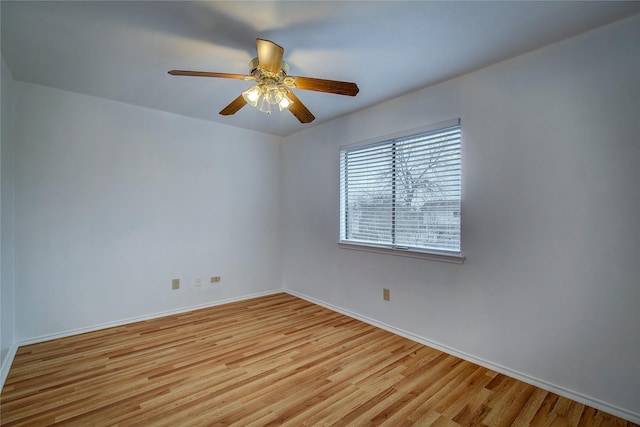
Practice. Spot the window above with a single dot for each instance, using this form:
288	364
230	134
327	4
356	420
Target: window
403	194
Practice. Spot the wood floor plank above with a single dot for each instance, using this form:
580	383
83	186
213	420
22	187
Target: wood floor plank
270	361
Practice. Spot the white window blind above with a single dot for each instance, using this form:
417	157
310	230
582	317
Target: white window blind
403	193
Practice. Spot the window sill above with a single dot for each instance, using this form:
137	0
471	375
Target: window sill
450	257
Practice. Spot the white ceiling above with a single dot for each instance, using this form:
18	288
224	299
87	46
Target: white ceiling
122	50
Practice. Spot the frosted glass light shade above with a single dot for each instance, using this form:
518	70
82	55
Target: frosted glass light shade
273	94
284	103
252	95
264	105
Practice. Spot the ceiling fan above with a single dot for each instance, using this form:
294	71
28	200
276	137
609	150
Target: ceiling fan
273	84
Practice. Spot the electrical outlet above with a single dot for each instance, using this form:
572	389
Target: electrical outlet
215	279
385	294
197	282
175	284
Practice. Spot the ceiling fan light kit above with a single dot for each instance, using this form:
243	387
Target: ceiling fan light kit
263	96
273	84
270	88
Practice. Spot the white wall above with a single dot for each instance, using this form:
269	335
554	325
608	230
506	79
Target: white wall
7	204
113	201
551	153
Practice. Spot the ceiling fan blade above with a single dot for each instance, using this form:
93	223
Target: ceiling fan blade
210	74
298	109
321	85
234	106
269	55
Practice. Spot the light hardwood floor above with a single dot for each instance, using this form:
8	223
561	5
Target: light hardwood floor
275	360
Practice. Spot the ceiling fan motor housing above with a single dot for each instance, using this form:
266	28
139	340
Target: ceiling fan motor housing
260	73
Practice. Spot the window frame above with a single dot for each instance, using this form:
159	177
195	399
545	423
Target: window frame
423	253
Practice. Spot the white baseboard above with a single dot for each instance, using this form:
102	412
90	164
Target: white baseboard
6	363
68	333
561	391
